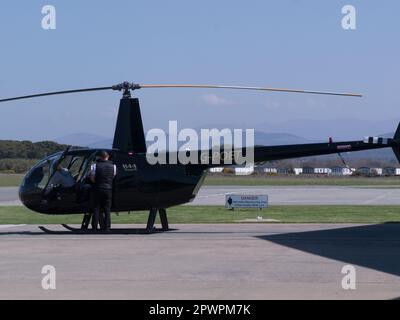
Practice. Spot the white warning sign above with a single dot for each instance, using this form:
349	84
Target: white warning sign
246	201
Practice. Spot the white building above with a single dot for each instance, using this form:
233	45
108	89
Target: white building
298	171
341	171
348	171
322	170
378	171
271	170
216	170
244	171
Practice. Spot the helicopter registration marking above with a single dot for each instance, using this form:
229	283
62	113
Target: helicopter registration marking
129	167
344	147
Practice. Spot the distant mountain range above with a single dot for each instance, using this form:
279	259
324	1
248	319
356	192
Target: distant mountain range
97	141
260	138
80	139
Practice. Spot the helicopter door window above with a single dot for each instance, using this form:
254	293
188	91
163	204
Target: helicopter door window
61	176
86	167
83	172
66	173
75	166
65	163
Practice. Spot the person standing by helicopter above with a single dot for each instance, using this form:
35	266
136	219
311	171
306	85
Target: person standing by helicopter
102	175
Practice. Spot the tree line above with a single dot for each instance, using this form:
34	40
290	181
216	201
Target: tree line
20	156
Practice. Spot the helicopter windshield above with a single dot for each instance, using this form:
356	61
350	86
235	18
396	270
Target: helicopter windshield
56	180
39	175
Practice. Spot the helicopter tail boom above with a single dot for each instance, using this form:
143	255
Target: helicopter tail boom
315	149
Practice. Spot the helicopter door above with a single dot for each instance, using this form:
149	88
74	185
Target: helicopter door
83	177
55	164
86	167
84	184
61	187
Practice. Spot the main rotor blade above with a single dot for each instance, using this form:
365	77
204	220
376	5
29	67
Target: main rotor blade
212	86
56	93
127	86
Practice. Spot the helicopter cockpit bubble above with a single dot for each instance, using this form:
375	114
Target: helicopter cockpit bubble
36	180
56	180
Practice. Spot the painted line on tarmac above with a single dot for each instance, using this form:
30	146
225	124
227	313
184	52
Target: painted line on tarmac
379	197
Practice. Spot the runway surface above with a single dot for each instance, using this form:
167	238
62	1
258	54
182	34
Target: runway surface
278	195
224	261
304	195
9	196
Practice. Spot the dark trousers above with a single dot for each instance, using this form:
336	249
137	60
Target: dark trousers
102	202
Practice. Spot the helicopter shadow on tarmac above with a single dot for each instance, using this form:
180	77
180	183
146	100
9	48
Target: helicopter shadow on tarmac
374	246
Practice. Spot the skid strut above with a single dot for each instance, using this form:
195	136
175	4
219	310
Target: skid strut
152	219
86	220
164	219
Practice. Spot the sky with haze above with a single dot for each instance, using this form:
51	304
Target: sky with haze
286	43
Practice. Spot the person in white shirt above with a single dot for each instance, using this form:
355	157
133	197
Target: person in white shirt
63	178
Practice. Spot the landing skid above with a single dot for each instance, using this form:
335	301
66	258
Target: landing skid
150	228
80	230
69	230
119	231
48	231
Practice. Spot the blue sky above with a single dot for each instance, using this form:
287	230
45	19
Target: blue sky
288	43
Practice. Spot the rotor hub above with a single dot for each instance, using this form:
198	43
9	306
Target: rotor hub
126	87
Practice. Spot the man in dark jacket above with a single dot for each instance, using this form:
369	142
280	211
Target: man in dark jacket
102	176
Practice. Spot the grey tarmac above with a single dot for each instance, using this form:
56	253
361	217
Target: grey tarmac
203	261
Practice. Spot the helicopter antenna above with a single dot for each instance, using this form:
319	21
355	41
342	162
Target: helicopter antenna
127	87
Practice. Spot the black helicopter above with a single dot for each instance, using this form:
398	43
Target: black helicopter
140	185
